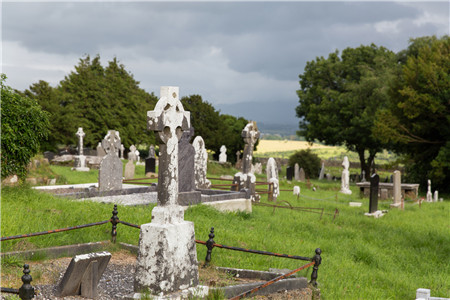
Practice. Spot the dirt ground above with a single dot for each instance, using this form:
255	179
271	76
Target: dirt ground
117	280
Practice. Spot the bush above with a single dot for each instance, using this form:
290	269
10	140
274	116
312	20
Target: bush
24	126
310	162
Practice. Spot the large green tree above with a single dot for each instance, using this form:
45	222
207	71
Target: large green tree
340	95
24	125
98	99
417	120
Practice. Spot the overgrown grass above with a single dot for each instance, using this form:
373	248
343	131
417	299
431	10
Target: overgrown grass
363	258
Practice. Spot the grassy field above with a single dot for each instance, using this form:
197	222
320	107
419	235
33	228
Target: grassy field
363	258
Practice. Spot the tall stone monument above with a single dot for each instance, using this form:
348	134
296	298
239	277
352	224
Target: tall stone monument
150	161
397	189
272	177
80	159
122	150
223	154
429	194
322	170
167	258
238	160
373	201
289	173
245	179
302	175
100	151
111	168
186	153
200	164
296	172
345	179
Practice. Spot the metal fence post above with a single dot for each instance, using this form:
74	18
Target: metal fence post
210	245
26	291
114	222
317	261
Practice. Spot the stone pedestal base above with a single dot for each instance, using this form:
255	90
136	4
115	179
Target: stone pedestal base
167	259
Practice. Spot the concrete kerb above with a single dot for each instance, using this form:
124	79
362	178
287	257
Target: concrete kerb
229	291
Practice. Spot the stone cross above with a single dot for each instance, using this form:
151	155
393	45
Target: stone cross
111	142
151	152
167	258
250	134
132	153
80	133
111	169
170	120
201	163
122	149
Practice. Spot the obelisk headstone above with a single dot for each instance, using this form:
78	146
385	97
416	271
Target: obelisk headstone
429	194
167	258
373	202
296	172
397	189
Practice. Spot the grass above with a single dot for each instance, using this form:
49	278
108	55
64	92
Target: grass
363	258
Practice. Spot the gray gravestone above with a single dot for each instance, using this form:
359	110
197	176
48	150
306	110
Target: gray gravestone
301	175
373	202
289	173
322	172
150	161
132	153
129	170
80	159
397	188
272	177
200	164
83	274
238	160
296	172
111	168
122	150
167	257
345	179
100	151
186	153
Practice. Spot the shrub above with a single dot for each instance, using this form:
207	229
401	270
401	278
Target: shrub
24	125
309	161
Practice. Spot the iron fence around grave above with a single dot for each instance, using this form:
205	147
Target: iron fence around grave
26	291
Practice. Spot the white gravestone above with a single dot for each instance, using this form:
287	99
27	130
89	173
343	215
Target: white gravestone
436	196
80	159
132	154
296	172
110	174
200	164
223	154
167	258
272	177
122	149
345	181
429	194
296	190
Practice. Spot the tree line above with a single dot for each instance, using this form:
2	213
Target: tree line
369	98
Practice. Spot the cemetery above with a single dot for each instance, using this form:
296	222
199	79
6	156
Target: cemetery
179	226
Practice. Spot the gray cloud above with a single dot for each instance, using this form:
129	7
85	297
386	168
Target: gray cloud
227	52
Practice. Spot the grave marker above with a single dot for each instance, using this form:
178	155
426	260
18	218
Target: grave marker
429	194
289	173
322	171
167	258
301	175
397	188
111	168
296	172
80	159
373	202
186	165
223	154
345	179
150	161
201	164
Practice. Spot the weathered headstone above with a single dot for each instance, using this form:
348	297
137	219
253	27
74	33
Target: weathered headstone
111	168
272	177
397	188
301	175
200	164
322	171
186	165
138	158
289	173
83	275
167	258
223	154
429	194
150	161
296	172
296	190
246	179
100	151
363	176
373	201
130	169
345	179
257	168
436	196
80	159
238	160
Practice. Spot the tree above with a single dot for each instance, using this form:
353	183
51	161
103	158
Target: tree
309	161
417	120
230	135
24	125
340	95
98	99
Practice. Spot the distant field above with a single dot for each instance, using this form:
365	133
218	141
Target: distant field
266	146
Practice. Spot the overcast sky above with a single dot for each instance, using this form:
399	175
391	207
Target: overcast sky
243	57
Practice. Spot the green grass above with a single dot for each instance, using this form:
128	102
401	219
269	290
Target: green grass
363	258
